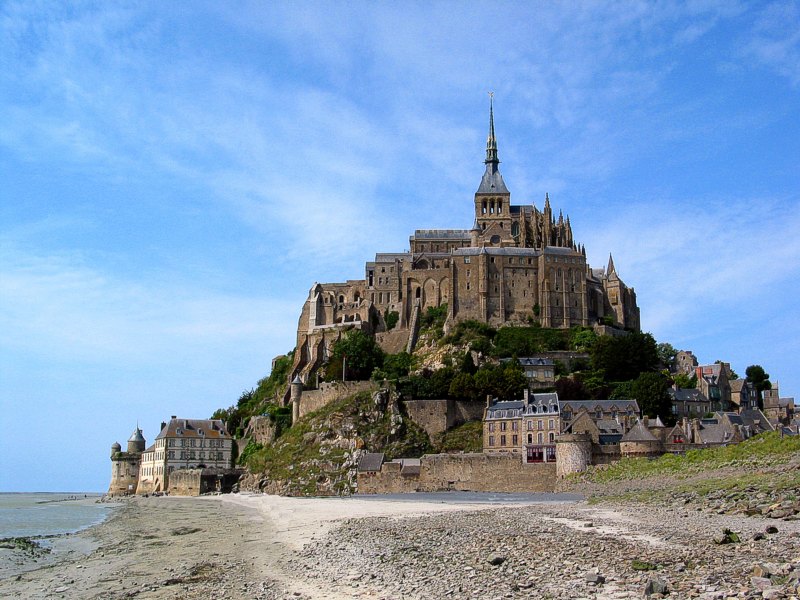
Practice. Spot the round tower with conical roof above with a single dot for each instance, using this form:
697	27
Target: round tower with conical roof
125	465
136	441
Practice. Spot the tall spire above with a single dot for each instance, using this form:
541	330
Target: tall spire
492	181
491	142
610	269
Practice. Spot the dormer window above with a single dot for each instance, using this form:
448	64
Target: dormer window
179	431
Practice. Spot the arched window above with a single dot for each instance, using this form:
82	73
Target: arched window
552	437
418	293
341	298
515	229
483	209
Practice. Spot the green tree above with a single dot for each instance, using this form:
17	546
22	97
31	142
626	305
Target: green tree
624	358
650	391
462	387
394	367
467	364
759	378
570	388
667	354
391	318
356	352
514	380
682	380
582	339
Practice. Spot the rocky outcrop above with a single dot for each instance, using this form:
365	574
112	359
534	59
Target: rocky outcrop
319	455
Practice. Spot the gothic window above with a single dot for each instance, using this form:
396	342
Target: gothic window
515	229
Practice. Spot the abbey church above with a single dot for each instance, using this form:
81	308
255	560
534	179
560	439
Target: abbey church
516	264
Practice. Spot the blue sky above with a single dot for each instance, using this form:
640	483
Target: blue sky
175	177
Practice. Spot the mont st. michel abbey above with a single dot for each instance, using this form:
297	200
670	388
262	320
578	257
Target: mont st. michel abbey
516	264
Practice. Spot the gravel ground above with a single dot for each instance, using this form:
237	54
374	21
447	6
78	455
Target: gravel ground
561	551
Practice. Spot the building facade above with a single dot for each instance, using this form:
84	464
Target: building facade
517	264
184	444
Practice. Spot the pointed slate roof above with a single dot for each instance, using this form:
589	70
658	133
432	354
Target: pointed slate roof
492	182
639	433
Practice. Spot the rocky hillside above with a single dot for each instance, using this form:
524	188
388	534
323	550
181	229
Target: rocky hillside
319	454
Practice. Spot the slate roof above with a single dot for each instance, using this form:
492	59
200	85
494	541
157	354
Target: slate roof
410	467
441	234
370	462
756	420
195	428
492	182
687	395
389	257
533	362
609	427
639	433
605	405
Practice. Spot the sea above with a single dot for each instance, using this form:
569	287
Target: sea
49	514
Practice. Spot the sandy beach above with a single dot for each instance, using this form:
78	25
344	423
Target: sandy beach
254	546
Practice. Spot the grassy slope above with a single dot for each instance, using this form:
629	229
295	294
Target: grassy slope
311	457
763	464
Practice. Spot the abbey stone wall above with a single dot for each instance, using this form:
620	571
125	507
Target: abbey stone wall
517	264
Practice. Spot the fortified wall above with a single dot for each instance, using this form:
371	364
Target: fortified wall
475	472
194	482
437	416
311	400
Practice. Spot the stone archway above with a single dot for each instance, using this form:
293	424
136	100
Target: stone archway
430	293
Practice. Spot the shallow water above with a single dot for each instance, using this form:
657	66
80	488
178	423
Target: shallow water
44	514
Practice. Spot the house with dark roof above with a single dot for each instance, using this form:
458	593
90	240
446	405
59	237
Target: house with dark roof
184	444
689	403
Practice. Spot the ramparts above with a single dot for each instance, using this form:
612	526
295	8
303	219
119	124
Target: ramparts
327	392
437	416
461	472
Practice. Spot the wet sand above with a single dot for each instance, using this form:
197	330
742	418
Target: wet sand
233	546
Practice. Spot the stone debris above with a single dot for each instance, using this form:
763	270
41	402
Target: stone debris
546	552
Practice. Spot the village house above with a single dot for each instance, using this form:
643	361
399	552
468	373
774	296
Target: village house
779	411
198	452
689	403
713	381
528	426
184	444
743	395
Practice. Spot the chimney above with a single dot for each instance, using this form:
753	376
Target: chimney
174	417
162	426
526	395
488	400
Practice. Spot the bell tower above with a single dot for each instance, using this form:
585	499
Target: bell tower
493	200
